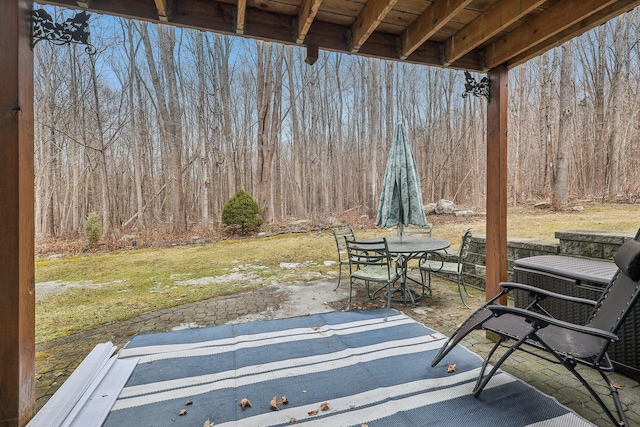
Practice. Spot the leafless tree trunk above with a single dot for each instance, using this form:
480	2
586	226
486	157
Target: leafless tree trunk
561	171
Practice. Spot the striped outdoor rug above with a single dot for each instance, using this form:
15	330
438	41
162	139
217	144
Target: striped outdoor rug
360	369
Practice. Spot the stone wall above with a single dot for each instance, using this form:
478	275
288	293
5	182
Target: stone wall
580	243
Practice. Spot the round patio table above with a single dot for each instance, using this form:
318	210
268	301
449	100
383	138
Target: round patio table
407	248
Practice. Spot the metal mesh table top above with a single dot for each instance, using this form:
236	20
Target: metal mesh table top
590	270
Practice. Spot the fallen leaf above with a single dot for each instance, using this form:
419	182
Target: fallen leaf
284	400
244	403
274	403
451	368
208	424
182	412
312	413
364	425
292	420
189	402
324	406
617	386
352	406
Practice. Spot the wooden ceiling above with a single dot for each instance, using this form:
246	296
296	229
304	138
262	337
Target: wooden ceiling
468	34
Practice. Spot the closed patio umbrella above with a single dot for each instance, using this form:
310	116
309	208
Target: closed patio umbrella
401	198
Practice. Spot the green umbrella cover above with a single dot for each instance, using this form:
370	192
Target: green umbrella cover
401	198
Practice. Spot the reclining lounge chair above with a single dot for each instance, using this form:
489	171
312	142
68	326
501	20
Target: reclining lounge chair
534	331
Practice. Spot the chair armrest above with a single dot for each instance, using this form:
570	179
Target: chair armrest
537	291
432	256
544	321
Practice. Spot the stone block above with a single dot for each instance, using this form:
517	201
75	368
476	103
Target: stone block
599	236
591	250
609	251
569	247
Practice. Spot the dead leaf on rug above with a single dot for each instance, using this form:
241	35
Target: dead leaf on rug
364	425
208	424
324	406
312	413
352	406
182	412
274	403
451	368
292	420
189	402
244	403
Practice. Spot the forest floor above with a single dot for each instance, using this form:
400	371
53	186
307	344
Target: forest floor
524	222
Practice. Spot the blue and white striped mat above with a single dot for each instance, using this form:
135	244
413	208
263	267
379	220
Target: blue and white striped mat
367	371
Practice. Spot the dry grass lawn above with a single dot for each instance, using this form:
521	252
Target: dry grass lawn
79	292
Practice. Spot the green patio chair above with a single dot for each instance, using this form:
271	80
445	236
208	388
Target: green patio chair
370	261
343	258
436	263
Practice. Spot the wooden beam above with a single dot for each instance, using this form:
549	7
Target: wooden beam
554	20
221	18
368	20
240	16
496	246
495	19
306	15
599	18
164	10
17	281
312	54
434	17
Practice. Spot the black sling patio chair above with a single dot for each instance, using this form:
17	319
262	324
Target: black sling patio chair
534	331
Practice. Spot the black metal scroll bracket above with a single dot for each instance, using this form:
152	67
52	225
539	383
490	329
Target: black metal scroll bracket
73	30
471	86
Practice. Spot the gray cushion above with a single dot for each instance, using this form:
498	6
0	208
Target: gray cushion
628	259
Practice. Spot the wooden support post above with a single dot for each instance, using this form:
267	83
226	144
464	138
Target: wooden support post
312	54
17	283
497	182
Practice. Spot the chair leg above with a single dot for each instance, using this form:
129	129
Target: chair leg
465	286
339	277
483	379
460	291
350	291
571	366
388	308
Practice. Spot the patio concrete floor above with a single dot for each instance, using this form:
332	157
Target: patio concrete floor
443	312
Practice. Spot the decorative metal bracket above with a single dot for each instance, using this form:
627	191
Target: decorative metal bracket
471	86
73	30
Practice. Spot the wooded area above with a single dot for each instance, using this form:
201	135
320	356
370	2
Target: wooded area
163	125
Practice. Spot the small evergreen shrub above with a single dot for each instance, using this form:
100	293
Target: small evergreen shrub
241	211
93	229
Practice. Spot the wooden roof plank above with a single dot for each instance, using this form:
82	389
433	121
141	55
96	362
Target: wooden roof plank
428	23
583	26
368	19
487	25
164	9
241	12
554	20
308	11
